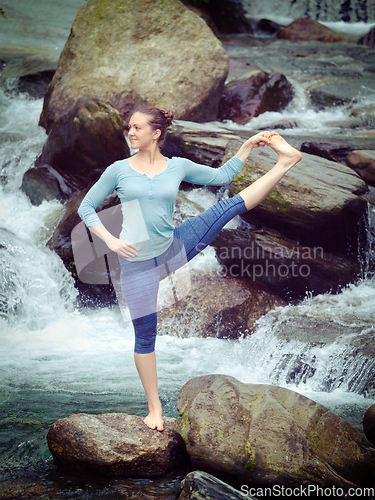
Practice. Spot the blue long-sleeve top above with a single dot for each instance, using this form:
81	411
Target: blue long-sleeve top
148	203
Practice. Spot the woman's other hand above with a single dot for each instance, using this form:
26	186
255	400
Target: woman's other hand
123	248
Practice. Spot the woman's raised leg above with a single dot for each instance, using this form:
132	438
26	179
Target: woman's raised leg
288	157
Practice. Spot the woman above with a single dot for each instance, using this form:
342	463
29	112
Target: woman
149	247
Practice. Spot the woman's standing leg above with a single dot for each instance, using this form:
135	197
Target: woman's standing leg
139	287
146	367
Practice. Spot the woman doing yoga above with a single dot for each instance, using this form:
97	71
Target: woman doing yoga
149	246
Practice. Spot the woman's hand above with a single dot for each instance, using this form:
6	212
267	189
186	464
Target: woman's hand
123	248
256	141
260	140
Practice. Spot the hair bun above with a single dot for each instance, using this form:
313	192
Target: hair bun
168	115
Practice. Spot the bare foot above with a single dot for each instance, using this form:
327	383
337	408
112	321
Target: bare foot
290	156
154	420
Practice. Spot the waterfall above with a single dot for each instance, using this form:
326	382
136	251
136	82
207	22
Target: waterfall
284	11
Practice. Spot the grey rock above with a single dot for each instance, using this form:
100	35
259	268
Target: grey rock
288	268
353	366
199	485
253	94
228	306
363	162
317	203
340	91
46	183
116	444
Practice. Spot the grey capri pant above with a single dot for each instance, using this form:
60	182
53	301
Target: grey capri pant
139	280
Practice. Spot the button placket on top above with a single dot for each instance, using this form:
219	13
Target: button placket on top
151	193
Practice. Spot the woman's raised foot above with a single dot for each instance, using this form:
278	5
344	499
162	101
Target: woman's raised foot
286	153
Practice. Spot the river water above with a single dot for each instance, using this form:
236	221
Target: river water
58	358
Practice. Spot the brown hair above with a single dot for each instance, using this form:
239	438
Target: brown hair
158	119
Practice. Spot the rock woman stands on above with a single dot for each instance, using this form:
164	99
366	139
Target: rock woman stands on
149	246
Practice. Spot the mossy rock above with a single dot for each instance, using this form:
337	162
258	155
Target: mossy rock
264	435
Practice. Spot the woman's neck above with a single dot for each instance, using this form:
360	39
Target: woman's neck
150	154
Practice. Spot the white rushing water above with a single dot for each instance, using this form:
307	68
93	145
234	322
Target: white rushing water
350	17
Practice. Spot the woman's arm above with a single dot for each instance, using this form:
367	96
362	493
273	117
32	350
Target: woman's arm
123	248
201	174
99	191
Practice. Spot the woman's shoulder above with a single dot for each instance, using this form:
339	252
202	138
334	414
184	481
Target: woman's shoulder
116	167
178	161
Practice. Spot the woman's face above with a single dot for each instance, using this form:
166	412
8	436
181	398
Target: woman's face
140	132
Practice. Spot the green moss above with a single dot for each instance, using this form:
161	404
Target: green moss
250	467
183	426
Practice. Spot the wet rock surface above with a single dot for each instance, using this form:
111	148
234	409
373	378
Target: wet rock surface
253	94
368	39
306	332
336	149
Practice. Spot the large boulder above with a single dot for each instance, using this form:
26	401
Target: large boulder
266	435
121	51
282	265
228	307
308	29
253	94
317	203
116	444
